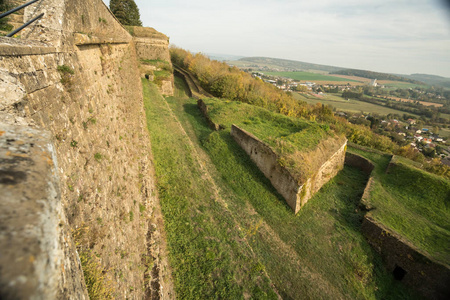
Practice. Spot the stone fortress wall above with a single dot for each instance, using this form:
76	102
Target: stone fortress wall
153	45
76	159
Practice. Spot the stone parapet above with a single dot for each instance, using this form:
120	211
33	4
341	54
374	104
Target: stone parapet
36	255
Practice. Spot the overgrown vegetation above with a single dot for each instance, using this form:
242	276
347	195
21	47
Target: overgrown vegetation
4	25
228	244
163	70
67	74
98	286
230	83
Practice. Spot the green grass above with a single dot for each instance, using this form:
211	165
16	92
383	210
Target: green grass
403	85
444	132
351	105
318	254
309	76
290	138
97	284
413	203
272	128
208	253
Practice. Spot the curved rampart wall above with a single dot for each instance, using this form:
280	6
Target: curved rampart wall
74	77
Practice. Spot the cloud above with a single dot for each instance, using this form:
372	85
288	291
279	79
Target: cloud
397	36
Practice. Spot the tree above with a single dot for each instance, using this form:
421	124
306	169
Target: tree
126	11
5	6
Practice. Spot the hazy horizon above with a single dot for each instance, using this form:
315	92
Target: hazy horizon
401	37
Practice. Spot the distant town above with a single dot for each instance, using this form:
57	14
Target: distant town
403	129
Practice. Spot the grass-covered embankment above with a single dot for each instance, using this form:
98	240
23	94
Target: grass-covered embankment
318	254
413	203
302	146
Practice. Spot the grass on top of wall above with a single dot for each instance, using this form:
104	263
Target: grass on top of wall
411	202
302	145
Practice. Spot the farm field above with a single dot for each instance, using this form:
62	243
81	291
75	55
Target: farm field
421	102
232	236
348	105
308	76
445	133
355	78
399	84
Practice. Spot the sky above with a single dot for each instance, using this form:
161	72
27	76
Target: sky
393	36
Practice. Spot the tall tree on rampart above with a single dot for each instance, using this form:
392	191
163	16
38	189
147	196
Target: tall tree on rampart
126	11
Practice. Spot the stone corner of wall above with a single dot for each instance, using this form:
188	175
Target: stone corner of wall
32	221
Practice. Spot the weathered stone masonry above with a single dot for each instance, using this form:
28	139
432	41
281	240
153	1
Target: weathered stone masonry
295	194
73	78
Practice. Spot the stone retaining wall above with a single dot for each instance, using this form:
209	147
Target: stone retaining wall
153	45
431	279
359	162
401	258
204	110
266	159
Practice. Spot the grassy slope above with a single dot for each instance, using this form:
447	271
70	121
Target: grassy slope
208	254
318	254
413	203
309	76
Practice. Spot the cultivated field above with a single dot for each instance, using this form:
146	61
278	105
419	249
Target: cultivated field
413	101
399	84
307	76
355	78
348	105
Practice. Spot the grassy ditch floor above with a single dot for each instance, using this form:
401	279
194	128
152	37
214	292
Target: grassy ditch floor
413	203
232	236
208	251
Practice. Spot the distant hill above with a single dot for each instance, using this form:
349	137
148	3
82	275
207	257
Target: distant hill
278	64
431	79
376	75
282	64
223	57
